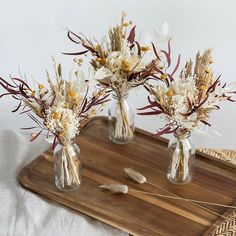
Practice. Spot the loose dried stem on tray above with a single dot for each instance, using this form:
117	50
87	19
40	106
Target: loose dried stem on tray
141	179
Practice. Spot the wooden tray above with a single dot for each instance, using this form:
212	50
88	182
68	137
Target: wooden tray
137	213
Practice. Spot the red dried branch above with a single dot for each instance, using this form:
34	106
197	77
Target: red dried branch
167	130
168	59
155	52
18	107
69	33
213	86
205	123
146	107
170	77
231	100
28	128
176	66
36	136
169	47
131	36
156	68
139	48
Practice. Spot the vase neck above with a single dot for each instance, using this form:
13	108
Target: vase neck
67	143
118	96
182	134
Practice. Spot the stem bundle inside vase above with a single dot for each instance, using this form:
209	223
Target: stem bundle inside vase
67	166
181	155
121	121
123	127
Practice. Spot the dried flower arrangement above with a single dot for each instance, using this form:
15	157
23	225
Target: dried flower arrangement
120	63
62	110
186	103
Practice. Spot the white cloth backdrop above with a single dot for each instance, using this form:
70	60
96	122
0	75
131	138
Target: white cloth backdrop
23	213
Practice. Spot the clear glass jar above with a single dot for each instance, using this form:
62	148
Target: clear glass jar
121	120
67	166
182	159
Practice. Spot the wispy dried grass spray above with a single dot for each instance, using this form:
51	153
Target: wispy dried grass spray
141	179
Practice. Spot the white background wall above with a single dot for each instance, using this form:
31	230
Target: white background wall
32	31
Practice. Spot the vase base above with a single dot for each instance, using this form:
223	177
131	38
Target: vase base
176	181
68	188
120	141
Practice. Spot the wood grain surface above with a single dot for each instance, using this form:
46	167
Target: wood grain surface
137	213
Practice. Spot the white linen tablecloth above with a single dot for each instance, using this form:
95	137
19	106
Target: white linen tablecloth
23	213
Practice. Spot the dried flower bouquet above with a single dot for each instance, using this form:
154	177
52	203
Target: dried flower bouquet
119	63
62	110
186	103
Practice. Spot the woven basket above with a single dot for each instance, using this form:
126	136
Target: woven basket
228	226
222	154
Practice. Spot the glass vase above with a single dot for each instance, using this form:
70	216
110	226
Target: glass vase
67	167
182	159
121	120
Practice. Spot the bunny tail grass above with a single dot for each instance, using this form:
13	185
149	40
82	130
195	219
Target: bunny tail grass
115	188
134	175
